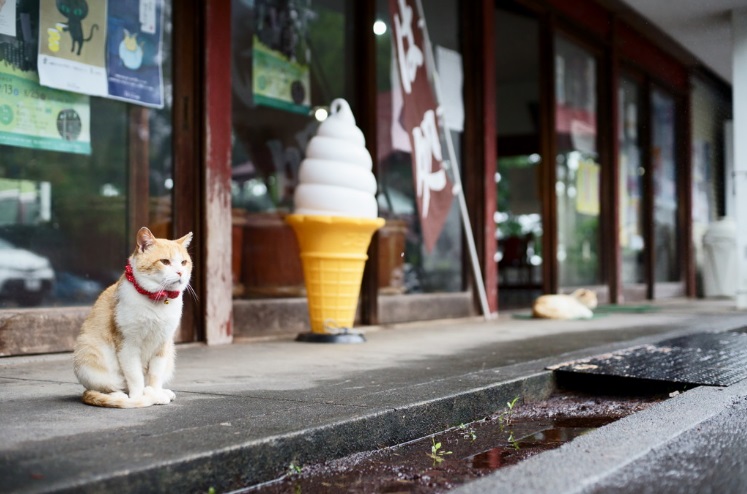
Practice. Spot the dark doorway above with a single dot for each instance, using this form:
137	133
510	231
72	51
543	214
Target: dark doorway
518	218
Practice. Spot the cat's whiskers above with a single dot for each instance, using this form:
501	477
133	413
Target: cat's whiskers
192	292
164	285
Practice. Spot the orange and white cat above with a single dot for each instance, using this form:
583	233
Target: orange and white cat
125	351
577	305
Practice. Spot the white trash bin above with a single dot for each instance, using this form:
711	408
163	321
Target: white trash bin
720	264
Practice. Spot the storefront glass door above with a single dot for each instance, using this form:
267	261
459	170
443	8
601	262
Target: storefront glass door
663	158
577	167
518	218
421	245
630	182
79	174
290	59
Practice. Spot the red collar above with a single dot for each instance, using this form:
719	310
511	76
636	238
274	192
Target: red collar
157	296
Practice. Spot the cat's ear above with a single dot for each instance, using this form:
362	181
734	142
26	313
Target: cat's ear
145	239
185	240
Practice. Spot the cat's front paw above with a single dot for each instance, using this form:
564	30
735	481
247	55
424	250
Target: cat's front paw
135	395
160	396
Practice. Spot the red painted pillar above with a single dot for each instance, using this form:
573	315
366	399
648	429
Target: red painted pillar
489	266
217	178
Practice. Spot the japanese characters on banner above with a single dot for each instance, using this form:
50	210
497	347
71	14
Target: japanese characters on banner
419	118
110	49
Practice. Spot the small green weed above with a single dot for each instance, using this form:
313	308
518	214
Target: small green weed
467	432
436	452
294	469
506	416
513	441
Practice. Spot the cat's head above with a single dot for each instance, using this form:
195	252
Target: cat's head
73	9
586	297
161	264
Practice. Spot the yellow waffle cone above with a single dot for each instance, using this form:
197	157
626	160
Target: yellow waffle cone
333	253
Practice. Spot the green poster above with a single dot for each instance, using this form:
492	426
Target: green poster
39	117
278	81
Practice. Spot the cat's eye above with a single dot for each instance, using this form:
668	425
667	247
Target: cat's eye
184	263
165	262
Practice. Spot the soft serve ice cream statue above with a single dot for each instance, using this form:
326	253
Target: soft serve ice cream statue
335	179
334	220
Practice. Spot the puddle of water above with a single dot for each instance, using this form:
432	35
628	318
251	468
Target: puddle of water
465	453
545	439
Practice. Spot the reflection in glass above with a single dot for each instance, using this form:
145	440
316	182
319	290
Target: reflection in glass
416	270
518	218
519	222
630	183
709	109
577	167
290	60
64	217
666	265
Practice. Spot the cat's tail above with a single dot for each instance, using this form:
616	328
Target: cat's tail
93	28
117	399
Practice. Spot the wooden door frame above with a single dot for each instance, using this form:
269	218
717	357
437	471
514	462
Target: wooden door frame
214	110
479	155
188	35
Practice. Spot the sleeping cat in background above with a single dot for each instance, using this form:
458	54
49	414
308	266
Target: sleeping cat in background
125	351
577	305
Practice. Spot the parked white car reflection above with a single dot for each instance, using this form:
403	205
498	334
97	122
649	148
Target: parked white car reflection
25	277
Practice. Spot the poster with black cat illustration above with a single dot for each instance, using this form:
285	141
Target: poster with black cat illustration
72	45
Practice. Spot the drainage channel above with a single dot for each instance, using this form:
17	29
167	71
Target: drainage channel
466	452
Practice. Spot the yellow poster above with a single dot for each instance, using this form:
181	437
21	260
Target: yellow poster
587	188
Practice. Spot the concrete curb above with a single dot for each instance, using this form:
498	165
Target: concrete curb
258	461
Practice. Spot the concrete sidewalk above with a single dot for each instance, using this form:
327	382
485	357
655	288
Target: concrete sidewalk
245	411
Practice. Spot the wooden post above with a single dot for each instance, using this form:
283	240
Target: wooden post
217	179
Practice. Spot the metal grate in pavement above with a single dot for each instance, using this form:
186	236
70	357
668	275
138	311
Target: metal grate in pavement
711	359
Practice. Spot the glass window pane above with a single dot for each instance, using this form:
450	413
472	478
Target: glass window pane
630	182
666	265
519	221
577	165
65	218
709	110
289	58
518	181
410	267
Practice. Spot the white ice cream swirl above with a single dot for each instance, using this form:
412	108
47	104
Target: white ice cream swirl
335	179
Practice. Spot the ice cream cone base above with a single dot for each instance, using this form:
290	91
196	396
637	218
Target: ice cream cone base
333	254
